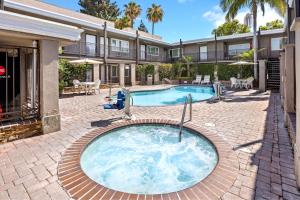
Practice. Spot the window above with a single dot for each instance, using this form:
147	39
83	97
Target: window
152	50
174	53
235	49
90	44
203	53
276	44
119	45
114	71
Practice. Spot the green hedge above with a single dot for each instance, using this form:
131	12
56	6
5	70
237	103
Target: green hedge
206	69
225	72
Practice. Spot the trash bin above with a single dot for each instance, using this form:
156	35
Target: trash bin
149	79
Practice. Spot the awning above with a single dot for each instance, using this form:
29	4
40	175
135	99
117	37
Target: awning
25	24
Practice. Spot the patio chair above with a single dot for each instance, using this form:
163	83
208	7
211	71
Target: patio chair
197	80
206	79
249	83
96	87
76	85
234	82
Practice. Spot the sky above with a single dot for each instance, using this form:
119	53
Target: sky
183	19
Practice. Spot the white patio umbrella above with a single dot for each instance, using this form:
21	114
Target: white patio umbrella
242	63
87	62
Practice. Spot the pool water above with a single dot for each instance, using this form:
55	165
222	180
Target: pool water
148	159
171	96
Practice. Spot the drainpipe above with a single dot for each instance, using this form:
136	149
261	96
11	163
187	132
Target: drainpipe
137	47
1	4
180	49
258	43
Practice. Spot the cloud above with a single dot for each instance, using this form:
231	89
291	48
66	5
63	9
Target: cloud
183	1
217	17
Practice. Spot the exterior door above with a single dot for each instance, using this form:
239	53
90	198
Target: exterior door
127	75
90	45
102	46
203	53
143	52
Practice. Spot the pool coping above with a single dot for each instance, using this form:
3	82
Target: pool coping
79	186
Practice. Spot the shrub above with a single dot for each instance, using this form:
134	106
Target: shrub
206	69
142	71
225	72
165	71
68	72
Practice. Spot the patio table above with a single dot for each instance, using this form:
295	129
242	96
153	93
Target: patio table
87	85
240	82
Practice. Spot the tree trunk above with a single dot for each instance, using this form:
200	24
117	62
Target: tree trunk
152	28
255	43
188	69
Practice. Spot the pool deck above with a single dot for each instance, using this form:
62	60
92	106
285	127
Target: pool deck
250	123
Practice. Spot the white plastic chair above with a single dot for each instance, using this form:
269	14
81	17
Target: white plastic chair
96	87
234	82
249	83
198	79
206	79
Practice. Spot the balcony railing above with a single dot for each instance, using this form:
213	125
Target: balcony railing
145	56
121	53
97	50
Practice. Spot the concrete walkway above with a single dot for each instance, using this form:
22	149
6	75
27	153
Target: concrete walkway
250	122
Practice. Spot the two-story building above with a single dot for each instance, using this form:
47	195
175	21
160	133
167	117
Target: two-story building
34	35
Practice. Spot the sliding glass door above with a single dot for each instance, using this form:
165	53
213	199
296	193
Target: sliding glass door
10	100
19	83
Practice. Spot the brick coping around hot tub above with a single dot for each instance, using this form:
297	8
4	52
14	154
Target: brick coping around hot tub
80	186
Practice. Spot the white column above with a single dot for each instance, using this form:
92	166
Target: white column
133	75
156	74
262	75
122	74
96	72
297	63
102	73
49	86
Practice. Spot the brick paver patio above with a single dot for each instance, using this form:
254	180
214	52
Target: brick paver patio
250	122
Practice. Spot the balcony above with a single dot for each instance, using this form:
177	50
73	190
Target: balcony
146	57
97	51
210	56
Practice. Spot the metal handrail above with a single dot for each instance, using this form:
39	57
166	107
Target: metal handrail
188	99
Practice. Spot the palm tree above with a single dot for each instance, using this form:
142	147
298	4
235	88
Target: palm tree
123	22
231	7
132	11
155	14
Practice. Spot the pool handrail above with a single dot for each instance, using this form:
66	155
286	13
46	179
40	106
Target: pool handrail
188	99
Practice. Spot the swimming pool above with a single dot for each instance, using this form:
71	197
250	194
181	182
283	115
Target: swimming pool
148	159
171	96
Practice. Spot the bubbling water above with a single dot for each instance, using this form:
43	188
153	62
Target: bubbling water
148	159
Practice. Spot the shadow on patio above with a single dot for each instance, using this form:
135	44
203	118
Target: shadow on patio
270	172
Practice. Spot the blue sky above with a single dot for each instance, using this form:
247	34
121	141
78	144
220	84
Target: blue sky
185	19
